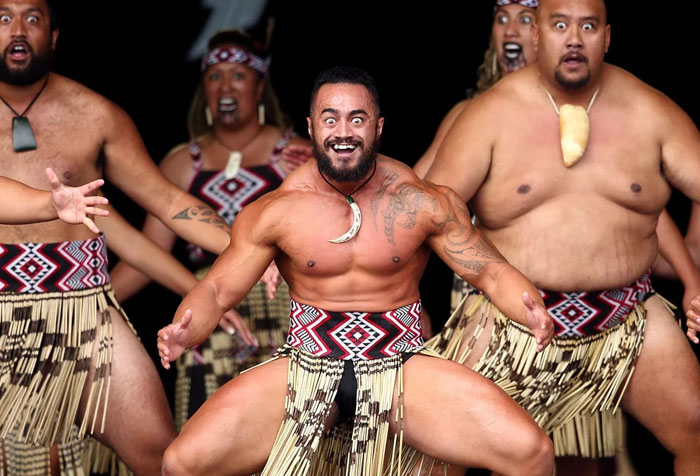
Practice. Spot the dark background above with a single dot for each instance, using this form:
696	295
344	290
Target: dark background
424	57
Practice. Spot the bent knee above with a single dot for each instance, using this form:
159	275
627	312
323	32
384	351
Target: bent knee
177	461
684	436
536	455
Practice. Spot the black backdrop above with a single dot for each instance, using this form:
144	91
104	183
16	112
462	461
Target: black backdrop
423	56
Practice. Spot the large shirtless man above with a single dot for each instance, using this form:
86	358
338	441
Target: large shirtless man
375	271
56	305
579	230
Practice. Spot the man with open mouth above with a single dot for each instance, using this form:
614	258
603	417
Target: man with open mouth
585	232
70	364
353	371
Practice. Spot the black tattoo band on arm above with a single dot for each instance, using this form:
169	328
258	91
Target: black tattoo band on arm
460	247
203	214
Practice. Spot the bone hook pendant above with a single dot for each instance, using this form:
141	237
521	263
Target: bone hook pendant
356	222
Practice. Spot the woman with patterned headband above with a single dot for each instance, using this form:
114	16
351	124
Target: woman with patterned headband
241	148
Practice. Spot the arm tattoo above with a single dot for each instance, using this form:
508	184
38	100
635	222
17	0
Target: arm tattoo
459	244
403	207
203	214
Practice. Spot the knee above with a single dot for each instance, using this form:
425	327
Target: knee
536	455
178	462
685	436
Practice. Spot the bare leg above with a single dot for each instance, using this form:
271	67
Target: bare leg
663	392
233	432
139	426
454	415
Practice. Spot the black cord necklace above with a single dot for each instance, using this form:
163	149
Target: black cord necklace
22	133
356	213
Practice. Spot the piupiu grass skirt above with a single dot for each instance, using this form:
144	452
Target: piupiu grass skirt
203	370
320	343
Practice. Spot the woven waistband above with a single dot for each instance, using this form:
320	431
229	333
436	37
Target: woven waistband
577	314
355	335
53	267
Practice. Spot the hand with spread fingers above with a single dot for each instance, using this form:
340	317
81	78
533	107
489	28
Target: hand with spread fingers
539	322
73	204
692	313
173	339
233	323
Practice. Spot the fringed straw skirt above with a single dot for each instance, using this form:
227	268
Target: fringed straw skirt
202	370
55	324
320	344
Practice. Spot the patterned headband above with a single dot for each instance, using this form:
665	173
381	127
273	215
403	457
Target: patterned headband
524	3
231	54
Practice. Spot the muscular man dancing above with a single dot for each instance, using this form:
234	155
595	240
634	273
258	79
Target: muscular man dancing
345	372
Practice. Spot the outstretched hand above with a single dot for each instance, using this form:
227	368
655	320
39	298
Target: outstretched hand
295	155
233	323
73	205
692	315
272	279
539	321
173	339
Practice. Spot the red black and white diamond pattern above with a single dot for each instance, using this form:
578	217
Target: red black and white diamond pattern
53	267
586	313
355	335
229	196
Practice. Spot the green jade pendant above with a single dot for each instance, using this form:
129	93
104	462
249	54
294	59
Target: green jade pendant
22	135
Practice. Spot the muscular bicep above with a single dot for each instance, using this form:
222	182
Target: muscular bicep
680	151
463	159
458	243
243	262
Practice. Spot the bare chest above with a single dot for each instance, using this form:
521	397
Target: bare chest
387	242
67	143
621	168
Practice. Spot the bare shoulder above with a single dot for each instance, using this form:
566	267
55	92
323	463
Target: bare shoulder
75	97
631	92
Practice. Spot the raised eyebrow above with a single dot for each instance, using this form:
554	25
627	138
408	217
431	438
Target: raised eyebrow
593	18
358	112
560	16
329	110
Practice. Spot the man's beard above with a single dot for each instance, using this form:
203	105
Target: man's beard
572	84
355	174
39	66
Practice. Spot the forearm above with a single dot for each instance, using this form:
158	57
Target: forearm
505	286
127	280
20	203
677	260
197	223
206	309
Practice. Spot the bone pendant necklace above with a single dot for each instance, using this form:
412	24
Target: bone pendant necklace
356	212
574	128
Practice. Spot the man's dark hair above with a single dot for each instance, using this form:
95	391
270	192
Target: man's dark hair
54	8
346	75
